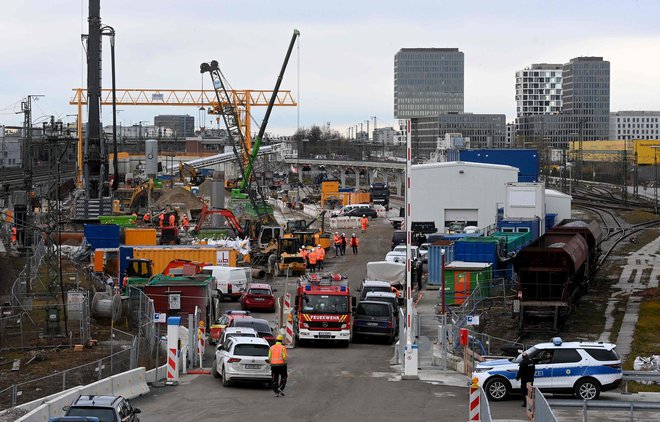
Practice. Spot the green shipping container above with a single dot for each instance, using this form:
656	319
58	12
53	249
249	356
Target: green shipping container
462	278
120	220
514	241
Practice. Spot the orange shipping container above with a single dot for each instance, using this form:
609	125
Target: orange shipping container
360	198
140	237
99	256
163	255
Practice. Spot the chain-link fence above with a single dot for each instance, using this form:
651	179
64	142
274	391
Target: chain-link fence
34	389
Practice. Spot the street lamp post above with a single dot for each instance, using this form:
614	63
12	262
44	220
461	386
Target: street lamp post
655	176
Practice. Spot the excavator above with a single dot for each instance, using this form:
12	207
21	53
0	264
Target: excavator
186	170
299	229
231	119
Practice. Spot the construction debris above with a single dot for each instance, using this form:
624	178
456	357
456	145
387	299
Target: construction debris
179	195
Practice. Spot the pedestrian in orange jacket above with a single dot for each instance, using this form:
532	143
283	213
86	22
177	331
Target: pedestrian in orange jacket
364	222
354	244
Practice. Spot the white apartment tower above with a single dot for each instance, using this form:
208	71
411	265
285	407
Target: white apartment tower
539	89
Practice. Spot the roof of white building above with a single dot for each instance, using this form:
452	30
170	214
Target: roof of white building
557	194
450	164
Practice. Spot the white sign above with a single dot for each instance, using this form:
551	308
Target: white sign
473	320
160	317
222	258
175	301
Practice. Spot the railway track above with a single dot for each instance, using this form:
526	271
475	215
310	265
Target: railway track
41	175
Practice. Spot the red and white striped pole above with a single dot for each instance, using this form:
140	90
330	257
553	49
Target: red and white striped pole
474	410
173	350
288	334
411	357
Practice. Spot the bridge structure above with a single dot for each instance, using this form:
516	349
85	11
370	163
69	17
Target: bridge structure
363	173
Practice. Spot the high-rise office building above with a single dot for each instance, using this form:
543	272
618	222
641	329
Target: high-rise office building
585	107
180	125
428	82
539	89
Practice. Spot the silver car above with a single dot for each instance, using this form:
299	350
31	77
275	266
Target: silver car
242	359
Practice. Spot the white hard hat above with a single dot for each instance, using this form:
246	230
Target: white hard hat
353	235
318	246
343	234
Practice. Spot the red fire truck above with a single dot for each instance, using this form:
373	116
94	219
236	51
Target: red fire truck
322	309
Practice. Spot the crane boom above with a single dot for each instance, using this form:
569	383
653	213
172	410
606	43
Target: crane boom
271	103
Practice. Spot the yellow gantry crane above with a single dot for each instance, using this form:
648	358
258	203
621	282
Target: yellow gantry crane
243	100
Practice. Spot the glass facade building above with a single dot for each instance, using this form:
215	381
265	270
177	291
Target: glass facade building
428	82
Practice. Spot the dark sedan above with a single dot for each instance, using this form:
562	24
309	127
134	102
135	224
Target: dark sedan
359	212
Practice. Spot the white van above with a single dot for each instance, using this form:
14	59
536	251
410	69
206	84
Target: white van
229	281
347	208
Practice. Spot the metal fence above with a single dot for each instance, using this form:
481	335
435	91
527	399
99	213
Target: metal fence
542	410
19	288
27	391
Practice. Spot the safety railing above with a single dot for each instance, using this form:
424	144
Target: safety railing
484	405
626	409
542	411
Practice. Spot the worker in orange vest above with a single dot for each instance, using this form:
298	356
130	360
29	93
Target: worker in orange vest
14	234
320	257
337	241
186	223
172	220
313	259
161	219
364	222
277	357
146	218
354	244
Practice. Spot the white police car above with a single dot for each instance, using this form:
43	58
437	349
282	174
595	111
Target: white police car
581	368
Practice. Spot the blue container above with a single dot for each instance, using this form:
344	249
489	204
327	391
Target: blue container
345	190
125	253
482	249
521	225
525	160
434	262
102	235
550	221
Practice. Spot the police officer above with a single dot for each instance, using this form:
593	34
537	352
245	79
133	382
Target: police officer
526	370
277	358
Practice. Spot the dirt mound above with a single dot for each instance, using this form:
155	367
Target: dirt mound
179	195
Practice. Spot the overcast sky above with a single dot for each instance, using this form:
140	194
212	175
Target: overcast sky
346	50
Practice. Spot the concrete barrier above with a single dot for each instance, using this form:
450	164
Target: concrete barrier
156	374
129	384
345	223
381	212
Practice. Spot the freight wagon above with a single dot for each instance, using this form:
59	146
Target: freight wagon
553	272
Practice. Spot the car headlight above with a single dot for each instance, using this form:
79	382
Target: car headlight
305	325
477	369
344	325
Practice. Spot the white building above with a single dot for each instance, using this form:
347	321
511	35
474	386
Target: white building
558	203
459	192
10	149
539	89
635	125
385	136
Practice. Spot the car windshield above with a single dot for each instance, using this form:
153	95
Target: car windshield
260	327
373	309
251	350
259	292
324	304
530	352
105	414
368	290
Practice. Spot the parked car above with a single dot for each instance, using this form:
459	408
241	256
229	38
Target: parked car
375	319
261	326
349	208
242	358
387	297
258	296
230	282
105	408
398	238
581	368
424	252
369	286
226	320
359	212
398	255
237	332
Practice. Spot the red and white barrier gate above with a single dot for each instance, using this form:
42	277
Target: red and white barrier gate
173	350
201	342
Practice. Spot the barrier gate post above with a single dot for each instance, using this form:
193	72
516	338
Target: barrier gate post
173	350
201	342
474	413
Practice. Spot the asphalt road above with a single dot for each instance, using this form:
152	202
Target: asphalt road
326	382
